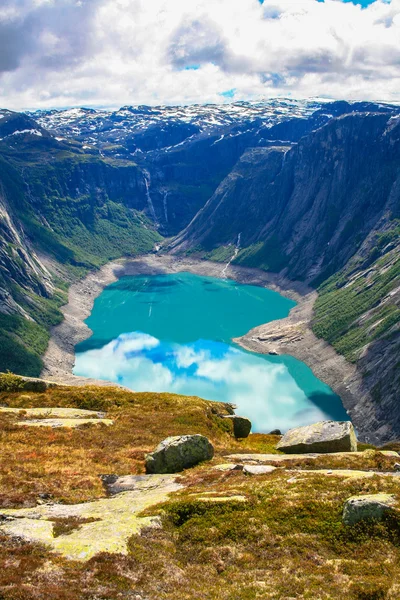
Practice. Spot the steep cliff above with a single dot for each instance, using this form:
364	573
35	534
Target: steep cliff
325	211
74	207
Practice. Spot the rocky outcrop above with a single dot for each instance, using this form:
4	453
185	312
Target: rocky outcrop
325	436
179	452
241	425
373	507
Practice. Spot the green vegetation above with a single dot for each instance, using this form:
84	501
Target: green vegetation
10	382
70	211
263	255
351	313
221	254
22	342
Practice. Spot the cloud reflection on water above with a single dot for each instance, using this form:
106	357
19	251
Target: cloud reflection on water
263	390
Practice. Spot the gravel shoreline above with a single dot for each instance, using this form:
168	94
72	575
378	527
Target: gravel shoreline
292	335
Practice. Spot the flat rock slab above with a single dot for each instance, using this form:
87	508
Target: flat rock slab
277	459
228	467
117	520
349	473
127	483
56	413
258	469
249	469
56	423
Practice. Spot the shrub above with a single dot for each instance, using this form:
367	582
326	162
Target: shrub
10	382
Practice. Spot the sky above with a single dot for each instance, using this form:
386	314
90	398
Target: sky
110	53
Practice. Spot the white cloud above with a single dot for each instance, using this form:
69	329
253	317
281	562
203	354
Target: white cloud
262	390
115	52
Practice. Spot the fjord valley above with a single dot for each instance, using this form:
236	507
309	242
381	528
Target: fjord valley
306	192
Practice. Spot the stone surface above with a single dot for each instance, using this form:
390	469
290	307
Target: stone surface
276	459
57	413
56	423
258	469
117	520
367	508
275	432
179	452
323	437
228	467
241	425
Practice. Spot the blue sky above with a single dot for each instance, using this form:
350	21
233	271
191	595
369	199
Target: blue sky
363	3
111	53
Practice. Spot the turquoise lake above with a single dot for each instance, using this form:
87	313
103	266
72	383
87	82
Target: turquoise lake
172	333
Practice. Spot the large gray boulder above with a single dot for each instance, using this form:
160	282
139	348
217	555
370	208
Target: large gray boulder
241	425
367	508
322	437
179	452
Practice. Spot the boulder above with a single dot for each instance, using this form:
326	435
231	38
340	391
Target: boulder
241	425
367	508
322	437
179	452
275	432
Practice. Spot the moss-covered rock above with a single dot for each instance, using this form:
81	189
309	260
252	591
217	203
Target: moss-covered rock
179	452
367	508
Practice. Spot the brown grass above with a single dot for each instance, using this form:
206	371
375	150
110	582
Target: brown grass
285	542
66	463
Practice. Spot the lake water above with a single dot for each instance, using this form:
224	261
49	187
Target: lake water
172	333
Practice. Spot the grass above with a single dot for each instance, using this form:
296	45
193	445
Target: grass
263	255
286	541
342	305
67	463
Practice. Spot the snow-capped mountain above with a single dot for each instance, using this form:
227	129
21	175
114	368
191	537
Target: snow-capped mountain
149	128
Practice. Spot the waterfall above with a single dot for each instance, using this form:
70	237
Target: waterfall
165	206
234	255
147	182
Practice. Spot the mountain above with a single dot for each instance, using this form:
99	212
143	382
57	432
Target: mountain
325	211
306	189
65	207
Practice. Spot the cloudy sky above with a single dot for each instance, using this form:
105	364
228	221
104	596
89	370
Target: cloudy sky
59	53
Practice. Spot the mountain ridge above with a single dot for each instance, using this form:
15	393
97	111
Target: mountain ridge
253	192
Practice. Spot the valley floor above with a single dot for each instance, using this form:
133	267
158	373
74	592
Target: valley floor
292	335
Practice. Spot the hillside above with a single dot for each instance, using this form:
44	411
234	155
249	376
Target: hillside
219	533
73	207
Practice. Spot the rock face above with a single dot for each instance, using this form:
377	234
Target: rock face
179	452
241	425
322	437
367	508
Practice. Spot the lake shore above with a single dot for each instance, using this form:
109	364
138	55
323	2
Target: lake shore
292	335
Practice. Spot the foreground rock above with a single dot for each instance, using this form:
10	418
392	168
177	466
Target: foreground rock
277	459
69	423
54	412
179	452
367	508
241	425
322	437
104	525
